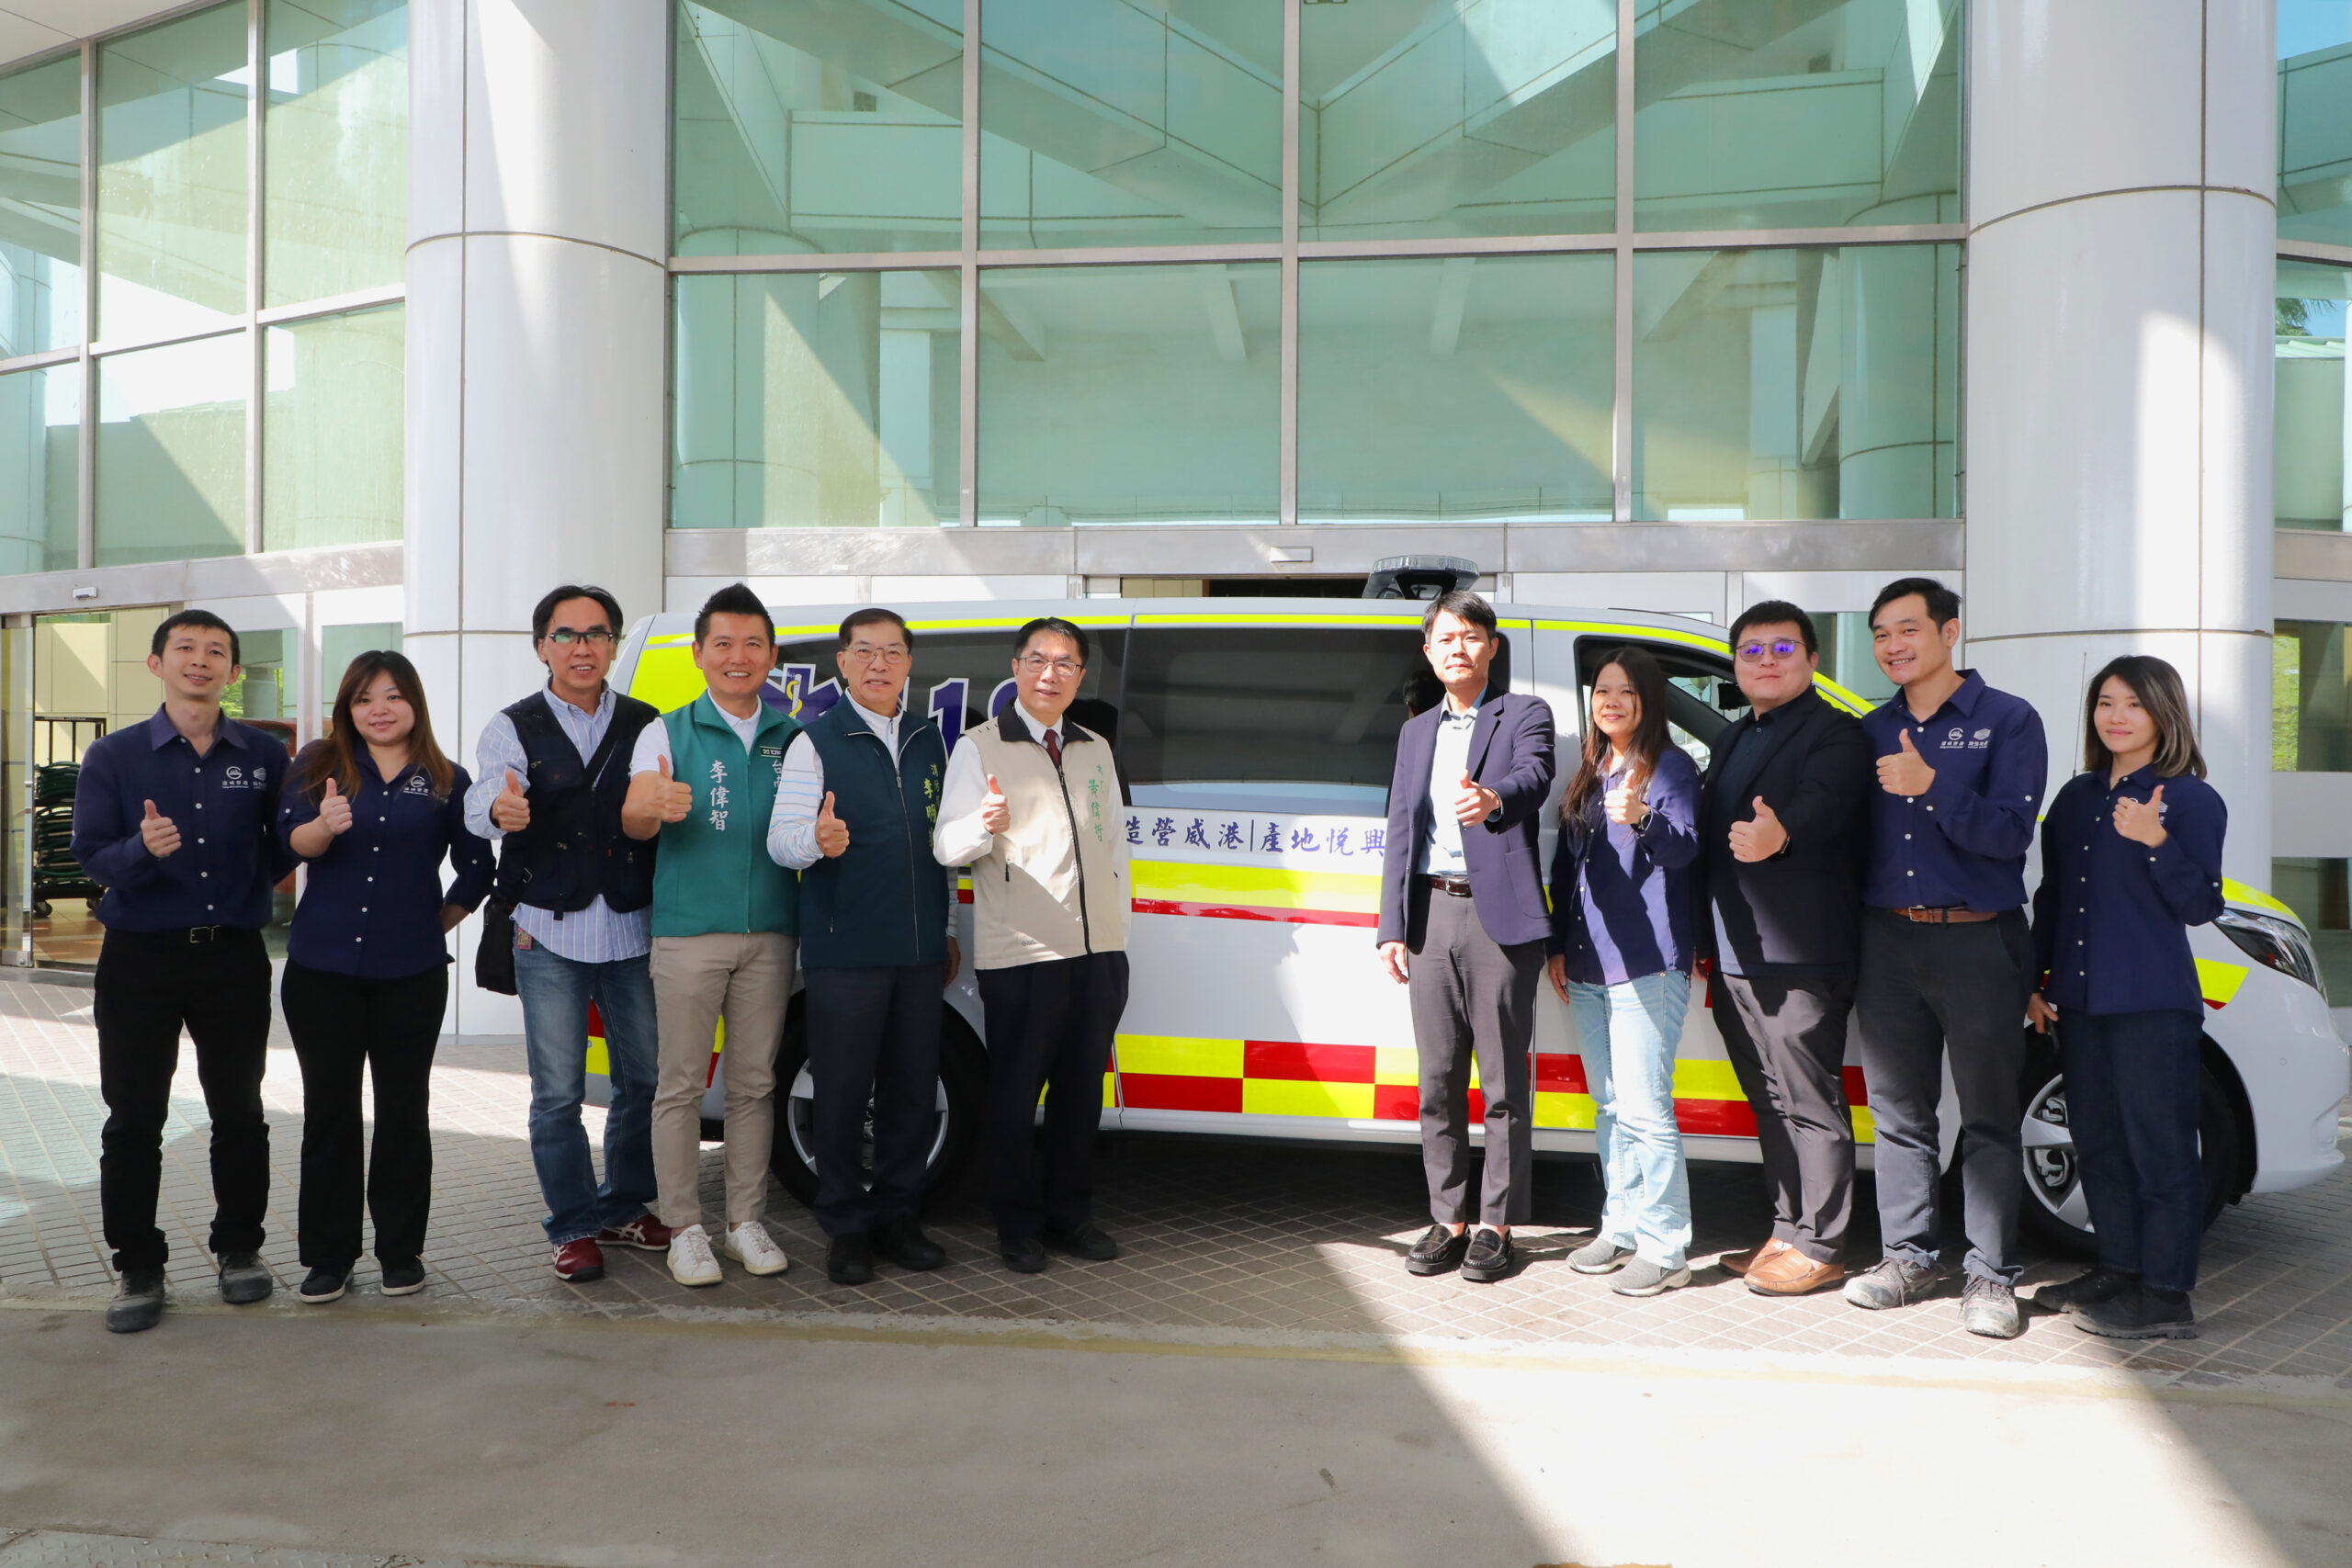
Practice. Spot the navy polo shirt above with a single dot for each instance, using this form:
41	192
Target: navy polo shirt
222	802
1620	896
2111	917
1963	844
371	906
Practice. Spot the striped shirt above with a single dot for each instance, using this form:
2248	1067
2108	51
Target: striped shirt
593	935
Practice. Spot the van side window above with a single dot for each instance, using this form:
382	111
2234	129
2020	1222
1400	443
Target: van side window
960	678
1298	718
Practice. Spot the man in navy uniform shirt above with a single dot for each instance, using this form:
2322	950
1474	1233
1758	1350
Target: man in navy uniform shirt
174	816
1946	960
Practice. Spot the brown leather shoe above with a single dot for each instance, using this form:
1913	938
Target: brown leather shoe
1791	1273
1742	1262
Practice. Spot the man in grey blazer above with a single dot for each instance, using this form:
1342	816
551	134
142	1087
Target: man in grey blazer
1462	925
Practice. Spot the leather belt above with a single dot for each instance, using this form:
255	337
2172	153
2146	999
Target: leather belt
1459	887
1927	917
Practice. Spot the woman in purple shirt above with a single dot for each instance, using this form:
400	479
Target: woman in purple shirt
2131	859
373	810
1620	954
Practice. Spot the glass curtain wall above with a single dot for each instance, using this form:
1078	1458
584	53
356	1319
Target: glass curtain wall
2315	121
217	298
1141	295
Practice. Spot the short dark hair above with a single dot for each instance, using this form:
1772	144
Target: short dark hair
1775	612
204	618
1059	628
1462	604
732	599
1944	604
544	611
872	616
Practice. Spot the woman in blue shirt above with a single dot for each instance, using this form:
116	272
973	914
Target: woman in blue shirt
373	810
1621	956
2131	859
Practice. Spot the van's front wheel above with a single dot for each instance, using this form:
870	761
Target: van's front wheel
963	1078
2056	1213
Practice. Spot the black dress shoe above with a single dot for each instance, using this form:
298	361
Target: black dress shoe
850	1259
139	1304
1087	1242
244	1279
2084	1289
1491	1255
1026	1256
324	1285
903	1243
404	1279
1438	1250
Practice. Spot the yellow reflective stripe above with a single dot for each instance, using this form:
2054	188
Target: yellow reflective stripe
598	1062
1396	1065
1179	1056
1844	698
1294	1097
978	623
2239	893
666	677
1222	618
2219	982
1263	886
1110	1092
1701	1079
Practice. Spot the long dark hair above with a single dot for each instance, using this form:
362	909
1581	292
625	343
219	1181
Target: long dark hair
2157	685
337	754
1649	733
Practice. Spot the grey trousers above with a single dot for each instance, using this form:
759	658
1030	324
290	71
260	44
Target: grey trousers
1928	992
1473	996
1786	1039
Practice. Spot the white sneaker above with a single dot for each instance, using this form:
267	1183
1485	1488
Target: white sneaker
750	1245
691	1262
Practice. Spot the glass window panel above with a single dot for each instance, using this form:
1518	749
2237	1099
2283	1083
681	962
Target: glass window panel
338	646
1796	384
813	125
2317	891
171	191
337	216
264	691
1456	388
1848	656
1796	115
2311	699
2315	121
1130	395
171	456
2311	416
41	444
1457	117
816	400
331	431
40	208
1128	123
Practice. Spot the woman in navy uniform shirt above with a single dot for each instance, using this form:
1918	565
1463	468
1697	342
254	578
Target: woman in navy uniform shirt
373	808
2131	859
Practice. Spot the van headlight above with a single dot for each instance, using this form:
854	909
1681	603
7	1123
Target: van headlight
2274	944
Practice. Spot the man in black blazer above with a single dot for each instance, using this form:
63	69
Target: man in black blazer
1462	924
1782	827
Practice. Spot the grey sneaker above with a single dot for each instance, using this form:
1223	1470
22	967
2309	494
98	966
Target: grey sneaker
1891	1283
1598	1255
1643	1277
139	1304
1990	1308
243	1280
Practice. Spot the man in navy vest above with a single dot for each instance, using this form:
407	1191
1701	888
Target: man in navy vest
853	815
552	778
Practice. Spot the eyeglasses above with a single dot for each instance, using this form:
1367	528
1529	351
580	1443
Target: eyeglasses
866	653
1037	664
1780	647
594	637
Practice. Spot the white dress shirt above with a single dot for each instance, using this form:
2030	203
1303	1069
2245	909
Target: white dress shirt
960	839
800	796
1442	851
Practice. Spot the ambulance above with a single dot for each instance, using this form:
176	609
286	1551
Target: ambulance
1256	738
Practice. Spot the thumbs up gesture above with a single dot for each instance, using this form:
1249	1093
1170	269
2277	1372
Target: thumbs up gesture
2143	822
156	831
1624	804
674	799
1760	837
1474	802
511	811
1905	773
334	810
995	813
833	833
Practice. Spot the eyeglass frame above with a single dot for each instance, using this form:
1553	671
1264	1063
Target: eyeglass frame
1780	647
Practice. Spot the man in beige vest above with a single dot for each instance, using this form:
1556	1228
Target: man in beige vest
1032	804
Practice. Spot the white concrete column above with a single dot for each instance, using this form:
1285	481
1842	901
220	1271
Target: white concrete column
2118	485
536	234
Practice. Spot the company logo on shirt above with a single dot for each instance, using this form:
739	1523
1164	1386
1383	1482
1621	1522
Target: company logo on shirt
416	785
234	777
1957	738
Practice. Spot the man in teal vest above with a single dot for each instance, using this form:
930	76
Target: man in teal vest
726	920
853	815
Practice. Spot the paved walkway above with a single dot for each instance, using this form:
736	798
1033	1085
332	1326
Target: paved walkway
1298	1246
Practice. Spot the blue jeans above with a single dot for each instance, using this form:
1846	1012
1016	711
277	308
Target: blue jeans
1628	1034
556	992
2131	1098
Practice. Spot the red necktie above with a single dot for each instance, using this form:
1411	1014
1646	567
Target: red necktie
1054	748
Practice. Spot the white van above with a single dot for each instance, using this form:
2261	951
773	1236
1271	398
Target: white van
1257	737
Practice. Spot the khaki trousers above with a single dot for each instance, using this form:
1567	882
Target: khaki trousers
745	978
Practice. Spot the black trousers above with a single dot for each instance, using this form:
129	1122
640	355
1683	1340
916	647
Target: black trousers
343	1025
1049	1026
873	1043
1928	994
149	985
2134	1084
1471	996
1786	1038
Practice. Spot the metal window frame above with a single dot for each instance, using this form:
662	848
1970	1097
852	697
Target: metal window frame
2314	251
